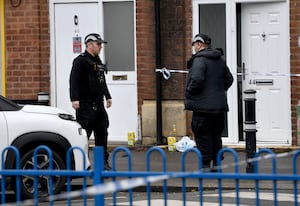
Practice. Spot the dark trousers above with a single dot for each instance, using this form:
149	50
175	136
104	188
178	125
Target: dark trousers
207	129
93	117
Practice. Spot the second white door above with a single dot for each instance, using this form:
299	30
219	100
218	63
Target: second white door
265	65
71	22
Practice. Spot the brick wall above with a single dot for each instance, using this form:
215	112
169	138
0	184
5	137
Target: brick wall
27	49
295	61
145	37
176	34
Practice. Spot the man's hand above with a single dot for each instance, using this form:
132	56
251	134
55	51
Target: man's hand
75	104
108	103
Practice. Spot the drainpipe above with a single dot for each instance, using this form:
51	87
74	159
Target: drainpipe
158	74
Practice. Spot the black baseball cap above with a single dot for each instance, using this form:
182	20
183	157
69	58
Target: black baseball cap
203	38
94	37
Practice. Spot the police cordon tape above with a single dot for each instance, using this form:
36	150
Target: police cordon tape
127	184
100	189
110	187
167	73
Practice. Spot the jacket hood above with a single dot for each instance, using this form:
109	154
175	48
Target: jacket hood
209	53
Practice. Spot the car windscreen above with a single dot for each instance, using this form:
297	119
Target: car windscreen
8	105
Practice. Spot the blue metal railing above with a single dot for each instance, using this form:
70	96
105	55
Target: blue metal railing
135	178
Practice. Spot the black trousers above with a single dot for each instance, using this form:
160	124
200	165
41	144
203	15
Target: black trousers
207	129
93	117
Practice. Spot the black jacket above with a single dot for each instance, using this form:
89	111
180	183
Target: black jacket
87	80
208	80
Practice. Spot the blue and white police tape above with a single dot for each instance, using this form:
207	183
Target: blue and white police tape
268	74
100	189
167	73
110	187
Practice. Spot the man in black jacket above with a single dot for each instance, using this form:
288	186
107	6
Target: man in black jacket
88	88
208	81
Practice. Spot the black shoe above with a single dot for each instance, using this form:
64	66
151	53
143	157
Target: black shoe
107	167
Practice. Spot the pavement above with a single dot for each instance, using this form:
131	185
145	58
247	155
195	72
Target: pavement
283	165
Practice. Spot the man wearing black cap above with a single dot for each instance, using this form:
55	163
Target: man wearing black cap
208	80
87	91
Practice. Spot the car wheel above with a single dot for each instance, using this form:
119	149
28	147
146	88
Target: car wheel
27	182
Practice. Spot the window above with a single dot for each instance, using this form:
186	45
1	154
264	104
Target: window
212	20
119	33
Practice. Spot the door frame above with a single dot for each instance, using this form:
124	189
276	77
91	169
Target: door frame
126	84
231	58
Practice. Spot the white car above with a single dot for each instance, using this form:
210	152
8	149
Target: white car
28	126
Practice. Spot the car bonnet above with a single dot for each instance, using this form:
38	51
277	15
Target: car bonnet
43	109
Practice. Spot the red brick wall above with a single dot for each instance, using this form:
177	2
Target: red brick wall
27	49
145	40
176	34
295	61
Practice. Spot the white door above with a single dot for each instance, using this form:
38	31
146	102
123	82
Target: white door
265	57
119	31
71	22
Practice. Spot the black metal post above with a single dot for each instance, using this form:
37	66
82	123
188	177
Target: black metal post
158	74
250	127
